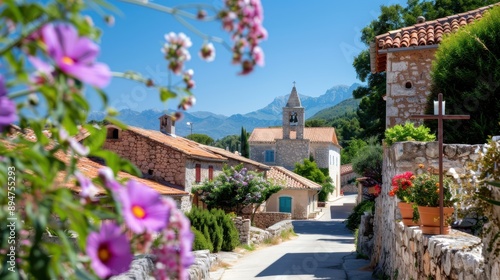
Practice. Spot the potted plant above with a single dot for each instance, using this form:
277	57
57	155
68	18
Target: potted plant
425	194
402	188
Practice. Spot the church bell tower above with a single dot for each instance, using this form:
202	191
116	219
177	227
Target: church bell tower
293	116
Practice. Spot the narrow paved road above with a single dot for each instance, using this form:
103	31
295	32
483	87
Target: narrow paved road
317	253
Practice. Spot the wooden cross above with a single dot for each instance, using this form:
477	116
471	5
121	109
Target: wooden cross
440	117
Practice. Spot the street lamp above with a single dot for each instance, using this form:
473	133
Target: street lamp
191	126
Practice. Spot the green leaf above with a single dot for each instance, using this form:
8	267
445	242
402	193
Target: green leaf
116	122
493	183
491	201
166	94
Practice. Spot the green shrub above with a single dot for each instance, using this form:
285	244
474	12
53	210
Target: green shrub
408	132
352	222
200	242
230	234
216	227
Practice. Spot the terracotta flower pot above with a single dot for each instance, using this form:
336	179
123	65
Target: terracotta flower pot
406	210
429	219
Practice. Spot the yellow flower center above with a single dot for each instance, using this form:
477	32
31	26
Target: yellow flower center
68	60
103	254
138	211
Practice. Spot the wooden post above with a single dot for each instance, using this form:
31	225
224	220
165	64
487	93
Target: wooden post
440	117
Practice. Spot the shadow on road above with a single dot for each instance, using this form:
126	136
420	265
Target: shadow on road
320	265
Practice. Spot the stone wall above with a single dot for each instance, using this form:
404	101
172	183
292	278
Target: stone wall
243	227
408	81
158	161
396	248
290	151
142	267
266	219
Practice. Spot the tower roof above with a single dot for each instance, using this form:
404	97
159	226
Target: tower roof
294	100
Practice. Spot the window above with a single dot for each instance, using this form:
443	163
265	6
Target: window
112	133
198	173
210	172
269	154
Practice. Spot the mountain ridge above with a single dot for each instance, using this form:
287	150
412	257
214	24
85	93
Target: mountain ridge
218	126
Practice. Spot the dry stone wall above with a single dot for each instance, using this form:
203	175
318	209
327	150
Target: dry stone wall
243	227
406	252
266	219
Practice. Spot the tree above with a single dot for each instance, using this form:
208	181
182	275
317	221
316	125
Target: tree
352	150
201	138
467	72
245	147
371	110
229	142
368	161
310	170
316	123
235	189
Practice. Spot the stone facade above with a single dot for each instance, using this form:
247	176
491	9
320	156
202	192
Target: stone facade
409	253
161	162
408	84
291	151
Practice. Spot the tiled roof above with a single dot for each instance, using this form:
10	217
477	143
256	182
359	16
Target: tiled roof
314	134
422	34
183	145
291	179
345	169
91	169
228	154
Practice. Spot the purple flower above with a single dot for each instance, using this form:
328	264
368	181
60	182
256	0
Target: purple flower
88	188
109	251
73	55
7	107
143	208
75	145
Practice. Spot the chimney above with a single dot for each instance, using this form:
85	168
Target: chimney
421	19
167	125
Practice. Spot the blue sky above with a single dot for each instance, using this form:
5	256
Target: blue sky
310	42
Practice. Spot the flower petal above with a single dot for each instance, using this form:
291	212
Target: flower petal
97	74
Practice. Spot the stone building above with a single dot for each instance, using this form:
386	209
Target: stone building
406	56
164	157
293	142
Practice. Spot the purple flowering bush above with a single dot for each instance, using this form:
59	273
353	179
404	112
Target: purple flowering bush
49	56
235	189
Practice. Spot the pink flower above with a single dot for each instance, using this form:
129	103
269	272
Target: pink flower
89	190
258	56
109	251
207	52
8	113
73	55
176	52
143	209
174	255
75	145
107	176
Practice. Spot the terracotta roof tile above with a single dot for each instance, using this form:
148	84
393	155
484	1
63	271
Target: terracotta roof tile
345	169
291	179
186	146
314	134
234	156
424	34
91	169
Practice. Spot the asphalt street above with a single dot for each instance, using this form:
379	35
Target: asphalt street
320	251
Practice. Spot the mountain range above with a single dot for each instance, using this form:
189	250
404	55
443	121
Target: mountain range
218	126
